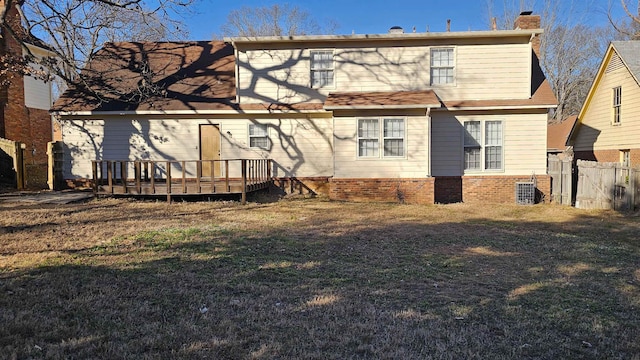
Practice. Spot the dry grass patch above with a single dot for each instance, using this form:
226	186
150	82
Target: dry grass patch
310	279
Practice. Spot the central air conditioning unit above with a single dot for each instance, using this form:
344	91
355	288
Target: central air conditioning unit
525	193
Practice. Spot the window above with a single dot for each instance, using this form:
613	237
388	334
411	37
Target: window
258	136
393	137
625	157
321	69
442	66
483	145
617	104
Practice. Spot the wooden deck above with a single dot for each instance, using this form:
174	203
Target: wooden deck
180	178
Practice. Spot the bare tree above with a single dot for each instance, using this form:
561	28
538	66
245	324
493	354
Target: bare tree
275	20
570	50
73	30
627	28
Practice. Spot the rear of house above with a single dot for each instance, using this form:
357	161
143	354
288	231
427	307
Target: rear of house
413	117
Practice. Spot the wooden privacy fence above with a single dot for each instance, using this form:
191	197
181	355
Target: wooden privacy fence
12	169
607	186
561	172
55	156
185	177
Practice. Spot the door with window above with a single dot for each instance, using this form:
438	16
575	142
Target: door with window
210	149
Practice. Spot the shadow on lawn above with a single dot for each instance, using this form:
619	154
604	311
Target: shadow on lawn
489	289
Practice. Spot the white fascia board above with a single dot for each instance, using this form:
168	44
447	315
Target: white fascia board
181	112
373	37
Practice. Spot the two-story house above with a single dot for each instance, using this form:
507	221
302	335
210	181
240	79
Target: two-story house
415	117
608	126
25	100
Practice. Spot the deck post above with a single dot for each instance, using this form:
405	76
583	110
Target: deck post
138	176
244	181
168	182
212	164
184	175
152	165
110	176
268	169
94	168
198	175
226	176
123	176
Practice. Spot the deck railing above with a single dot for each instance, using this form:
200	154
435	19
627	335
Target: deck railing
184	177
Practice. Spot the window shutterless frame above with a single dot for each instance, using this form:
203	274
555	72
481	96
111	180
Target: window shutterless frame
442	66
483	146
381	138
258	136
322	69
617	104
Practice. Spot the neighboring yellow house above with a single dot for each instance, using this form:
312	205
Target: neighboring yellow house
608	126
413	117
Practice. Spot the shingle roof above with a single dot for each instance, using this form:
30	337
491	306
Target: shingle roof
194	75
558	133
629	51
382	99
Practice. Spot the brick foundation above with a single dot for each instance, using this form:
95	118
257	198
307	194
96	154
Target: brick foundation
410	191
501	189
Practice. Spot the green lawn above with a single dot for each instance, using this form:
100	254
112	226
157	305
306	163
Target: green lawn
311	279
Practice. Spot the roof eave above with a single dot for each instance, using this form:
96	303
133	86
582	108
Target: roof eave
382	107
385	37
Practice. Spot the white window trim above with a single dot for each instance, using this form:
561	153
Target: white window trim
381	138
333	68
266	135
616	107
483	145
455	61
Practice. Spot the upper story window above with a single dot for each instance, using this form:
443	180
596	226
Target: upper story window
483	145
322	69
392	139
258	136
617	104
442	66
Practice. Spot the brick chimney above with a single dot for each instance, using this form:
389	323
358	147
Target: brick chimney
526	21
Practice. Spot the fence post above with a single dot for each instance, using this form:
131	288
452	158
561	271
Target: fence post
632	189
244	181
18	164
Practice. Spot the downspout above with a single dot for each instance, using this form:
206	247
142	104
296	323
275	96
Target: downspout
235	55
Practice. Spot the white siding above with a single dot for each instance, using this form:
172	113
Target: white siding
37	93
482	72
596	131
301	147
413	165
524	143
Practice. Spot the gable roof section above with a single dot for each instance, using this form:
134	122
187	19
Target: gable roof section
382	100
190	76
628	52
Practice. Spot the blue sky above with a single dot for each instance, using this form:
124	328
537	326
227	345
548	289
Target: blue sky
377	16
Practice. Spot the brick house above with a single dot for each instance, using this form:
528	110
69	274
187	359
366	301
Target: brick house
413	117
608	126
25	100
